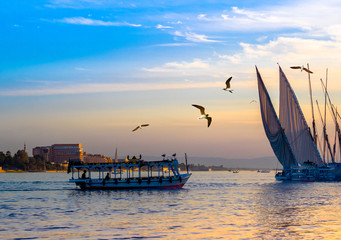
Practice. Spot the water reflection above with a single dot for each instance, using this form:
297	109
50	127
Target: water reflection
294	210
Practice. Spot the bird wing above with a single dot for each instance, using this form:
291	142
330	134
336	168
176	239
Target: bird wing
228	82
307	70
296	67
145	125
136	128
202	109
209	120
253	101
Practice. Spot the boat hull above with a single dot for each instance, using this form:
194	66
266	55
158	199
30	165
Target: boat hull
282	178
144	183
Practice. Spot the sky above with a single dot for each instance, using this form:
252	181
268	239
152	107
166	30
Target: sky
90	71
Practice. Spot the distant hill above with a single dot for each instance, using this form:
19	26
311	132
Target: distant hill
235	163
253	163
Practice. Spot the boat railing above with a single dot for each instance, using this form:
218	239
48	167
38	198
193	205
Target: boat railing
127	170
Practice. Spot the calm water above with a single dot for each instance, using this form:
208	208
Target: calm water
213	205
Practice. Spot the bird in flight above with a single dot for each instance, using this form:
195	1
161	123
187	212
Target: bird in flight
253	101
228	85
140	127
302	68
203	114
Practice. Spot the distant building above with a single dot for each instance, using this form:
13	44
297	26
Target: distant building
96	158
42	152
60	153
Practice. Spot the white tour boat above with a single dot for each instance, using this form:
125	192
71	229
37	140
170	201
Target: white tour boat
133	173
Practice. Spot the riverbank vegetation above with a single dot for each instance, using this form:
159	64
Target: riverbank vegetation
22	162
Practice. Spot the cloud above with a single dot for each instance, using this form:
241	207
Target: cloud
294	49
334	31
262	38
194	37
287	50
175	44
236	58
299	18
92	22
159	26
88	4
81	69
102	88
41	82
179	66
176	22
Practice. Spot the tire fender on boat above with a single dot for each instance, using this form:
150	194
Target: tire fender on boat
170	179
160	179
180	178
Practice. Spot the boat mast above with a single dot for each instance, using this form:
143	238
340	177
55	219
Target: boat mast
336	131
312	107
318	108
325	116
326	140
335	115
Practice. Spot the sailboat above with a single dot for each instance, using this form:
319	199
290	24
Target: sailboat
289	135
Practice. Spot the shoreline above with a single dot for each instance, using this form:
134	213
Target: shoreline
21	171
48	171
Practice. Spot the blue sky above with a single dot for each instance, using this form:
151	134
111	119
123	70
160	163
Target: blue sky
89	71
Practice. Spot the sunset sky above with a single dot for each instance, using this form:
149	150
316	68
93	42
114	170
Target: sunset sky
90	71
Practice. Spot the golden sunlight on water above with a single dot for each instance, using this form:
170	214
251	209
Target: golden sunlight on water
212	205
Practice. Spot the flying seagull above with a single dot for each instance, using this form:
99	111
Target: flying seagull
302	68
140	127
228	85
253	101
203	114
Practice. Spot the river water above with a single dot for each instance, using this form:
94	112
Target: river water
212	205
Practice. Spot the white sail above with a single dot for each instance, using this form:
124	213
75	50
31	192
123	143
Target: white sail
273	129
295	126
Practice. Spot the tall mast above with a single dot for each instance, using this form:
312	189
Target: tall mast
326	140
335	115
336	132
339	133
312	107
325	116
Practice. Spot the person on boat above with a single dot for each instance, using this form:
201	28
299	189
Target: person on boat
84	174
107	177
